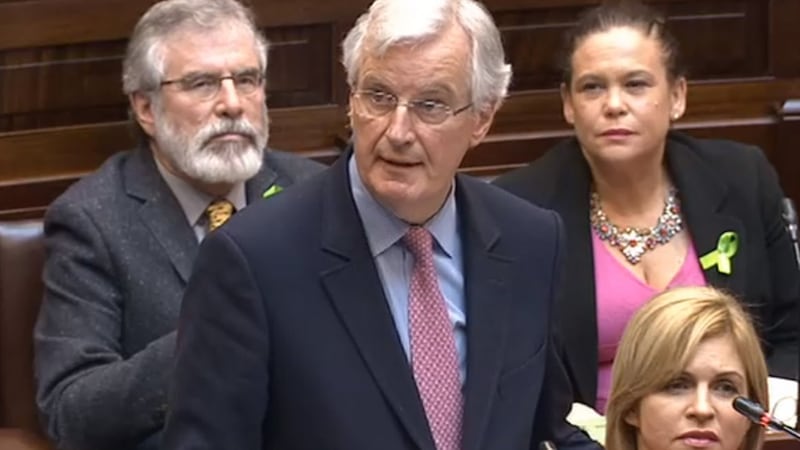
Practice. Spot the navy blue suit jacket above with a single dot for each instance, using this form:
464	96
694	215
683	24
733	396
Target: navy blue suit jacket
286	340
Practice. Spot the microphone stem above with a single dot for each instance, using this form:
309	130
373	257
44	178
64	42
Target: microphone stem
790	431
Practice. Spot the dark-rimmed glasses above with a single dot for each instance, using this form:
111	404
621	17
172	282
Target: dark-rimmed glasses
205	86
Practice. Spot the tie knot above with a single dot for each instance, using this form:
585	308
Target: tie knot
218	212
419	242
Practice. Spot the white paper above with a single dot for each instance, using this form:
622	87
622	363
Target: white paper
783	400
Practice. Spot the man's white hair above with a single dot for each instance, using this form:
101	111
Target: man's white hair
143	66
400	22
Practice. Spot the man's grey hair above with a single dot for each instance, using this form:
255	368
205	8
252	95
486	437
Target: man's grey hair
403	22
143	67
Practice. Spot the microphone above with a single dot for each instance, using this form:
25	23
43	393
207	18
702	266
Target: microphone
756	414
789	214
547	445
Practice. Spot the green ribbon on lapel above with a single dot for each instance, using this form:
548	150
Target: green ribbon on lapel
727	245
274	189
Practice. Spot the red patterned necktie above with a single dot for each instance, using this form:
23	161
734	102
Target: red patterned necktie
434	358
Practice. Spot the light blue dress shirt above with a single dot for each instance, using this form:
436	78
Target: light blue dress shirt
395	264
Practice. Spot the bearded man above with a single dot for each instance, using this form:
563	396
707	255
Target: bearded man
122	241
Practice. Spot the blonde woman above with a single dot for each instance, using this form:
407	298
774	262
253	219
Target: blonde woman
682	360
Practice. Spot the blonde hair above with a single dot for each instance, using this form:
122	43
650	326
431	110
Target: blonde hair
660	341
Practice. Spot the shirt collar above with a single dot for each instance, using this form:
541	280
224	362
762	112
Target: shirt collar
383	228
194	202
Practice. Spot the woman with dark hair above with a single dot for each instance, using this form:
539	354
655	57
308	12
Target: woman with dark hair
646	208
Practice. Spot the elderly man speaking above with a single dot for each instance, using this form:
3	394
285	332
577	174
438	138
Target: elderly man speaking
393	304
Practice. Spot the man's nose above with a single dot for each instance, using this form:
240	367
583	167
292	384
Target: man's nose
400	132
229	101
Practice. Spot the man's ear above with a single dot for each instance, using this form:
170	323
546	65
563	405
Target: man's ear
566	104
142	107
483	122
350	111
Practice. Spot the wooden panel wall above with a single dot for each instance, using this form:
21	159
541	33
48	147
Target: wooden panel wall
62	112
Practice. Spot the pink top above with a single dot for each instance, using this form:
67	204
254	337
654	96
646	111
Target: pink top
619	294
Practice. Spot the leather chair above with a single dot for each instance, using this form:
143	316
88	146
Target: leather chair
21	261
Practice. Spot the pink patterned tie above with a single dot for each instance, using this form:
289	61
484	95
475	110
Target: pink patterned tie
434	358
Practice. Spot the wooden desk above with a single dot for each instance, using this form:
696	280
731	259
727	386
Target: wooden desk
780	441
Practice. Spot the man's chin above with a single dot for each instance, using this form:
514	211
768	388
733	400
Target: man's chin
227	172
396	193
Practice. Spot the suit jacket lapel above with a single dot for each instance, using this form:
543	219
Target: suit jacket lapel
160	211
577	305
354	287
266	177
487	303
704	212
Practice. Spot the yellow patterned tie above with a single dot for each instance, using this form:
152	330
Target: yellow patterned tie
218	212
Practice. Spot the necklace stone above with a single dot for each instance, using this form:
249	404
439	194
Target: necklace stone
635	242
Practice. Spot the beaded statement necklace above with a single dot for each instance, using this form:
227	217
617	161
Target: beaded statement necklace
634	242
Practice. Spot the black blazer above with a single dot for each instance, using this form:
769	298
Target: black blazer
287	342
723	186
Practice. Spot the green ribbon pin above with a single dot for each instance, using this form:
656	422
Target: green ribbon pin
274	189
727	245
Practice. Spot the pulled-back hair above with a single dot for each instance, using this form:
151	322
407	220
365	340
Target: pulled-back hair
627	14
